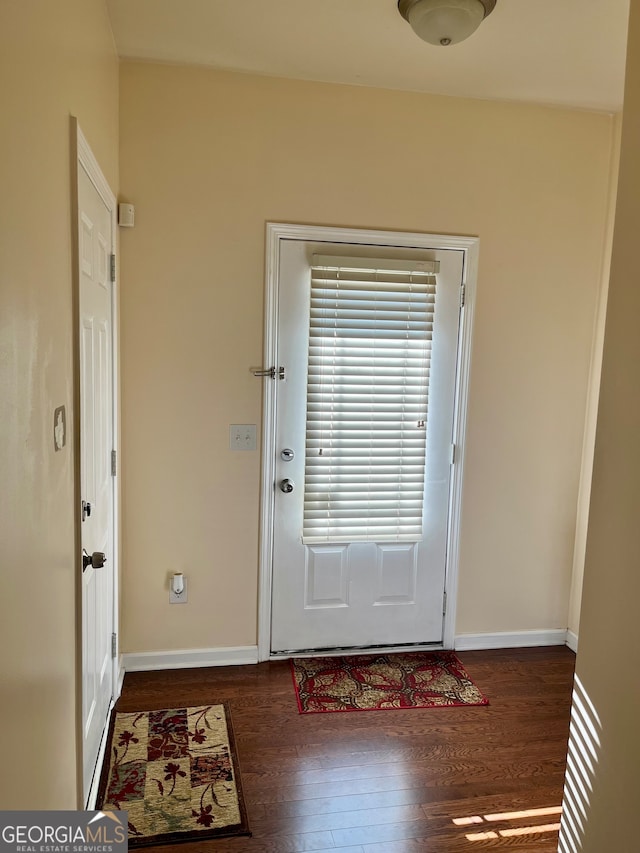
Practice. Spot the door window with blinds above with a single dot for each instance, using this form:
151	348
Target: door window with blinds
369	359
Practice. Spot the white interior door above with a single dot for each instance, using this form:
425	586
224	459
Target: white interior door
346	574
97	483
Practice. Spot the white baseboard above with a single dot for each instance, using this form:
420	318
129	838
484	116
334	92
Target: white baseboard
120	679
239	655
510	640
189	658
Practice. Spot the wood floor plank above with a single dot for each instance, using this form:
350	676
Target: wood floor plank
442	773
292	793
430	798
375	834
541	843
442	750
391	782
346	803
275	824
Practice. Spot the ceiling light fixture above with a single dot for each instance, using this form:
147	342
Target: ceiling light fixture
445	22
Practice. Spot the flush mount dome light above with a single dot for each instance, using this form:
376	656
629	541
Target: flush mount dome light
445	22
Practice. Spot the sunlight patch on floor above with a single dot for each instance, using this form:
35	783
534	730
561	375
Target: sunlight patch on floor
524	814
509	832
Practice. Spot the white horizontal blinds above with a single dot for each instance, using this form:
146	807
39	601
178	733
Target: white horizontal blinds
367	397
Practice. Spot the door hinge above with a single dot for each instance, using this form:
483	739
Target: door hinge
453	454
463	294
112	267
444	603
114	645
114	463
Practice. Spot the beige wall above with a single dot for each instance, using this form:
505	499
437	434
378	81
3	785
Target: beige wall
609	655
56	59
591	414
207	158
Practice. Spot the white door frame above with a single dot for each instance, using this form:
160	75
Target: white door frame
276	232
85	159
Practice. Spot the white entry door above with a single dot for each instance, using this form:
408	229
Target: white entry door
97	483
368	338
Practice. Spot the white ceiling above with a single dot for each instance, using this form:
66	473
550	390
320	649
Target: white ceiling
564	52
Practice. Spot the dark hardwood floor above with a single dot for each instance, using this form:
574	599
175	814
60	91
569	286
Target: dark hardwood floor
448	780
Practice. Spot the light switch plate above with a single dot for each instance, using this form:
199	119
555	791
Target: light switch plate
242	437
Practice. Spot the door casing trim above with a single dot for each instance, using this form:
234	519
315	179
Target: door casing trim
277	232
82	157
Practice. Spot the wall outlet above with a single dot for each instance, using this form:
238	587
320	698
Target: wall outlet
242	437
174	598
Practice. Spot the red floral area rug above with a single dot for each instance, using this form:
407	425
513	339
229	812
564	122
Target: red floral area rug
383	682
175	772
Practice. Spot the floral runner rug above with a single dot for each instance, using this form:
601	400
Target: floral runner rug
175	772
382	682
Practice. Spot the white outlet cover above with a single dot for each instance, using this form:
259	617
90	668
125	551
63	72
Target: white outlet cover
242	437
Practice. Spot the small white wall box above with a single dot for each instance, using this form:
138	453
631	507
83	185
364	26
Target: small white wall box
178	589
126	215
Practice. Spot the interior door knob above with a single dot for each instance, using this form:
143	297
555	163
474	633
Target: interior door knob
286	486
97	559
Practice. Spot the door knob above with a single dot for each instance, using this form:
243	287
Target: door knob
286	486
97	559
